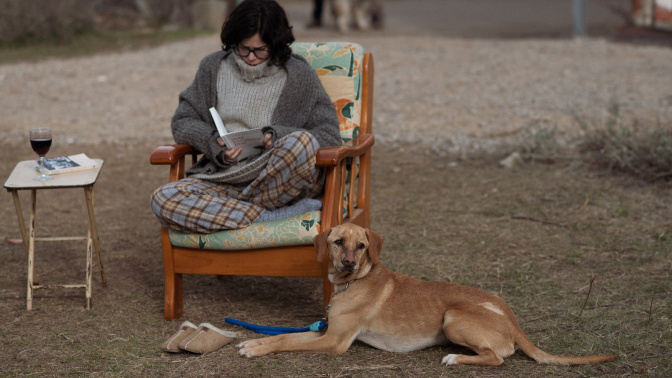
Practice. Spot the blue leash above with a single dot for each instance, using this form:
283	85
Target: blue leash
315	327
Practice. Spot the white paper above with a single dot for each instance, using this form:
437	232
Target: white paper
218	122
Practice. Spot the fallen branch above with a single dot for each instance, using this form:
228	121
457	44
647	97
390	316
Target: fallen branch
539	221
648	322
584	204
592	279
661	176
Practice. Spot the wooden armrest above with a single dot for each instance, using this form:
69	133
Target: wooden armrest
326	156
170	154
331	156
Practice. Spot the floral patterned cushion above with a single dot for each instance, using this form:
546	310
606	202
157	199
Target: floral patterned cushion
296	230
338	66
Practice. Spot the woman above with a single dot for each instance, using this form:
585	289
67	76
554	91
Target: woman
254	82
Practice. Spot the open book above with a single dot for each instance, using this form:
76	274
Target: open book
65	164
250	140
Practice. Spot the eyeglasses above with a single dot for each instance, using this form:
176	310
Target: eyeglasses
244	52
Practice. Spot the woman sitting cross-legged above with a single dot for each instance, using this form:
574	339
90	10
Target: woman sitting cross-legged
255	82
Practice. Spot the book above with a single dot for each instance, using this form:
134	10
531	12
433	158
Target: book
64	164
250	140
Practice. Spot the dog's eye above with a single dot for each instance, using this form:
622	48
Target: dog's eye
338	241
361	246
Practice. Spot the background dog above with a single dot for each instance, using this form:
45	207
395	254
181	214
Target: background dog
397	313
361	14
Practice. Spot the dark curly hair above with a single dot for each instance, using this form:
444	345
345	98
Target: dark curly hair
265	17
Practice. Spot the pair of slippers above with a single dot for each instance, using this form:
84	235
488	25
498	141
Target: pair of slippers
202	339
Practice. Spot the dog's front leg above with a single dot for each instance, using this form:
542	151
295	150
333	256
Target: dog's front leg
276	338
330	342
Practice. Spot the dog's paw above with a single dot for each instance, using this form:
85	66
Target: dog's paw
450	359
244	353
248	352
248	343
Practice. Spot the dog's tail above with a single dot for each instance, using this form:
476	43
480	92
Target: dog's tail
544	358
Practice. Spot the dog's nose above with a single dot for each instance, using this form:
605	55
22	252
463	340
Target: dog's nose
349	262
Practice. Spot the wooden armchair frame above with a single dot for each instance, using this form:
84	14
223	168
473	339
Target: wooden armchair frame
291	261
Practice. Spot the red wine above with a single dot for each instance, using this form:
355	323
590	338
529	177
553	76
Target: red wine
41	146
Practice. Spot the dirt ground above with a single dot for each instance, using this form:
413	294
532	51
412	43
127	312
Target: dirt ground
536	235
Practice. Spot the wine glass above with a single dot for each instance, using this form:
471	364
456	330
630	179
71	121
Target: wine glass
40	141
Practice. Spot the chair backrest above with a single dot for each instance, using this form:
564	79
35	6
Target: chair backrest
338	66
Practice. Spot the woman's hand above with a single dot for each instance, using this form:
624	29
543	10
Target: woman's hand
231	154
268	141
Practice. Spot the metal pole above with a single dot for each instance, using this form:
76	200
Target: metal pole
579	15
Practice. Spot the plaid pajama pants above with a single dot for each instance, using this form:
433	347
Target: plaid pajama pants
195	205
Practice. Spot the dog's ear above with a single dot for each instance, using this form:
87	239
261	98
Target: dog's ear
320	243
375	245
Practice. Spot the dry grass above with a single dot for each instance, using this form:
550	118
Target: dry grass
644	151
93	42
535	235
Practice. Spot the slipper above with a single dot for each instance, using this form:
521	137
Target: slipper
172	344
207	338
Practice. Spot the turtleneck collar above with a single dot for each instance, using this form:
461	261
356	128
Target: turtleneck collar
250	73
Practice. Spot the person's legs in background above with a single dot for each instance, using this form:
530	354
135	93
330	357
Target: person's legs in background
316	20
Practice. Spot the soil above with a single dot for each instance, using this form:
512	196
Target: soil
537	234
534	235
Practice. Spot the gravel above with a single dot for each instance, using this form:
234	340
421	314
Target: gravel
453	96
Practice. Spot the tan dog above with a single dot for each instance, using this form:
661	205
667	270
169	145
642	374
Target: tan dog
397	313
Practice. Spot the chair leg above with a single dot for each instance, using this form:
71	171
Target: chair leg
327	291
173	305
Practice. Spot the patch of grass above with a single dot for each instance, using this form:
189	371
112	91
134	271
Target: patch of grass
621	210
93	43
637	149
541	143
645	152
662	236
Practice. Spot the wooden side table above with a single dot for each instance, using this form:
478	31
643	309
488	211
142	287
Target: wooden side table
21	178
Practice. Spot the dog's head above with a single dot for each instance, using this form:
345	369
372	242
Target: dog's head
349	248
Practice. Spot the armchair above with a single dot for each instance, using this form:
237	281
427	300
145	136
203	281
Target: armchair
284	247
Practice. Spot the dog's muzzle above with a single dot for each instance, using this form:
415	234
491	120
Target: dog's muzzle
348	265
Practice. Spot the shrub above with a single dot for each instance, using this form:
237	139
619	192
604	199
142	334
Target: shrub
24	20
643	152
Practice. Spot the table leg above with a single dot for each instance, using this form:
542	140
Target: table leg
88	192
89	266
19	214
22	226
31	249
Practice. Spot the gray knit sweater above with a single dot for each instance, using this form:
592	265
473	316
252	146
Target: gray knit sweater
303	105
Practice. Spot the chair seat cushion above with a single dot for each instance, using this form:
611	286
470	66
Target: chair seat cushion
296	230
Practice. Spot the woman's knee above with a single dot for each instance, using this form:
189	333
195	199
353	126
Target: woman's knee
302	139
170	192
157	199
